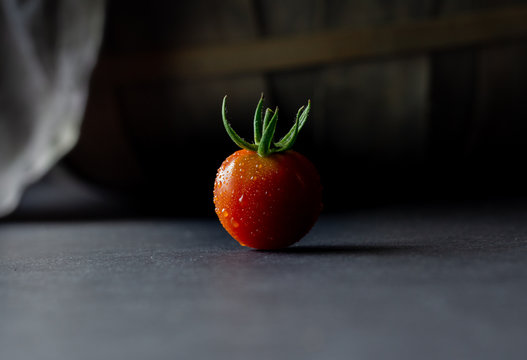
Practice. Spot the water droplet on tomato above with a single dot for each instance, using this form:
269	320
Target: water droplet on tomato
234	223
225	213
241	198
300	179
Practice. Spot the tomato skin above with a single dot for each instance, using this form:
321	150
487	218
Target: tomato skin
267	202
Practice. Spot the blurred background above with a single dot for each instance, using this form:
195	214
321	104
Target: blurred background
411	101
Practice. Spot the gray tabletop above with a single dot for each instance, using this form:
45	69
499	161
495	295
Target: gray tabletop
393	283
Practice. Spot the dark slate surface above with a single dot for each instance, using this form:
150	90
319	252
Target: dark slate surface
413	283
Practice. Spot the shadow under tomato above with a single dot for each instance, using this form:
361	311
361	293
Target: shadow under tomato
345	250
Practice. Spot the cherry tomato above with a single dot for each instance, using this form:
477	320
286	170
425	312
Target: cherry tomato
267	196
267	202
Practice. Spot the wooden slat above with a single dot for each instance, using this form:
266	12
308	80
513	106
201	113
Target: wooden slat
282	53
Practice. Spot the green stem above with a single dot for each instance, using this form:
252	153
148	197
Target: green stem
301	116
264	130
258	121
232	134
264	148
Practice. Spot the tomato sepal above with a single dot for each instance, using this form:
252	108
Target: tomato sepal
264	130
230	131
258	121
289	139
264	148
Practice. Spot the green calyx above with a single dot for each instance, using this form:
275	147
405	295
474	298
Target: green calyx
264	130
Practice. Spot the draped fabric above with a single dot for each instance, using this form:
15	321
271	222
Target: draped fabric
47	51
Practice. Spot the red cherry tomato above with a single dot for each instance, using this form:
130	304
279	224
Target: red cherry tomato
266	195
267	202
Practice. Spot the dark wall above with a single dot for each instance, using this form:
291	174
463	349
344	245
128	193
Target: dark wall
446	123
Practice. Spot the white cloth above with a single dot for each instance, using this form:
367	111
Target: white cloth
47	51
